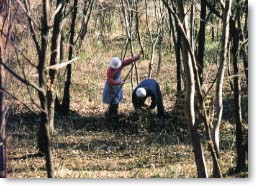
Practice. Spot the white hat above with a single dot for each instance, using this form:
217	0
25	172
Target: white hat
115	63
141	92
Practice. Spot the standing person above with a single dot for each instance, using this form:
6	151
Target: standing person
113	93
148	88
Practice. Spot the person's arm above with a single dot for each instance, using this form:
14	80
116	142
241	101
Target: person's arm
110	78
128	61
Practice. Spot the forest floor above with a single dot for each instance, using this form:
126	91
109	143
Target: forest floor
142	145
86	147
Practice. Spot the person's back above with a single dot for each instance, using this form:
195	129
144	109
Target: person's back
148	88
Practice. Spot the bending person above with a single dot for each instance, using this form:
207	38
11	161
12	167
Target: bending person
148	88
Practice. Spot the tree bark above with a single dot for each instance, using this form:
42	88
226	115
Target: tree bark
137	27
201	41
220	79
65	106
177	45
3	144
153	41
6	21
55	59
44	142
44	139
87	9
241	154
243	32
128	22
186	42
160	47
189	98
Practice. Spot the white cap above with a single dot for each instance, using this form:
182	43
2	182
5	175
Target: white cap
115	63
141	92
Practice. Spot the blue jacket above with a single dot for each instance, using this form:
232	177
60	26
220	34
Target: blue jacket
153	91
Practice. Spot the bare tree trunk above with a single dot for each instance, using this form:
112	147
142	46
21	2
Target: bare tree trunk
6	21
44	143
55	59
192	24
154	41
178	62
87	10
160	47
245	61
137	27
186	45
243	32
151	63
189	102
201	40
128	22
44	138
65	106
177	45
190	94
3	144
238	114
220	78
229	69
234	32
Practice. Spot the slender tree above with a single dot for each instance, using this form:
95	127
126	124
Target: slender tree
182	20
201	40
159	16
47	76
226	12
65	106
176	38
127	10
75	37
137	25
234	32
7	17
243	33
190	53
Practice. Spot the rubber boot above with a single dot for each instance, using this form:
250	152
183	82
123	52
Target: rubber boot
112	117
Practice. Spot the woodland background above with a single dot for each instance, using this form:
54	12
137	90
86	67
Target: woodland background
54	57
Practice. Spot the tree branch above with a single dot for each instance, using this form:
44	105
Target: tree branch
27	12
16	99
21	79
31	26
61	65
213	9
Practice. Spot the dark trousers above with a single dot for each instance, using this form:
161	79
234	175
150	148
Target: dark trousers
111	117
160	106
113	109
